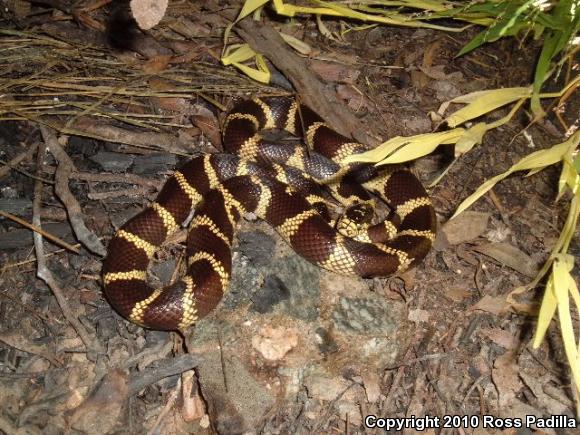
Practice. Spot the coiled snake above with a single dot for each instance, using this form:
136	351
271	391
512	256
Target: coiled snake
284	185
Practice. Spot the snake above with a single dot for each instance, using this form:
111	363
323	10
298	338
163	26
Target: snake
290	186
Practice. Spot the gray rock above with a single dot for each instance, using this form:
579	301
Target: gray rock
257	246
372	315
288	284
272	293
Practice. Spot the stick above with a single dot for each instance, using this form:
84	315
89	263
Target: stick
64	170
316	94
44	273
40	231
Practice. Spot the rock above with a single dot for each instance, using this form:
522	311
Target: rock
257	246
274	343
372	385
325	388
241	406
349	411
367	316
322	386
285	283
272	293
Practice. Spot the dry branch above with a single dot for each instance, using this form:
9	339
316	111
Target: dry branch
64	170
264	39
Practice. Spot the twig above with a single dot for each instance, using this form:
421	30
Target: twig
32	260
222	359
39	230
420	359
64	170
45	274
325	418
166	368
473	387
112	178
97	196
117	178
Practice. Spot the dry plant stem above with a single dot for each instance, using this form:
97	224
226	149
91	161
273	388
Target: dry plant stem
26	155
130	192
157	141
167	367
264	39
49	236
170	402
64	170
32	260
45	274
117	178
113	178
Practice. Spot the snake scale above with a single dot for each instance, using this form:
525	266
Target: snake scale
288	187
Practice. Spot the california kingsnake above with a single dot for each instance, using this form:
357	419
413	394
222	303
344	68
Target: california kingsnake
281	185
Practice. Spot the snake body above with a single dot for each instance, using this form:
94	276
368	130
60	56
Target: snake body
286	187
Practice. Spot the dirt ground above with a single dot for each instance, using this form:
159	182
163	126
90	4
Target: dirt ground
291	348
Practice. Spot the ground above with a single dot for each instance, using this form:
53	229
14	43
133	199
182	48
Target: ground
291	348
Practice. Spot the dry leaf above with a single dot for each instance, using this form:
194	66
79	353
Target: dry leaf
506	379
492	304
206	121
510	256
107	399
466	227
335	72
457	294
501	338
537	383
156	64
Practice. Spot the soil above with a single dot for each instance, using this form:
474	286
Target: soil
291	348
